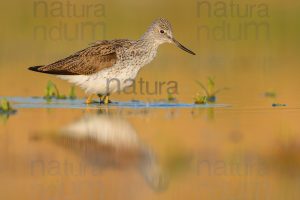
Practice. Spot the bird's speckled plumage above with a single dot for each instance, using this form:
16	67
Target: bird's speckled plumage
104	66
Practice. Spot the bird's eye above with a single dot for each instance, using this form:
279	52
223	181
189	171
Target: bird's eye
162	31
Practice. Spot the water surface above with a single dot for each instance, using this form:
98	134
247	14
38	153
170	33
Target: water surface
69	150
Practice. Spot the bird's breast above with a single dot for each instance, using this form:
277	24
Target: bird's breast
137	57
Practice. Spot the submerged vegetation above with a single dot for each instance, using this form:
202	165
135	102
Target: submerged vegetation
52	92
209	92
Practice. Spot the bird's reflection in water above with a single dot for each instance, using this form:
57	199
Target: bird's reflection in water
109	141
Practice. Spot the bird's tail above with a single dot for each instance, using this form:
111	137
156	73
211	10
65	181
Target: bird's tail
36	68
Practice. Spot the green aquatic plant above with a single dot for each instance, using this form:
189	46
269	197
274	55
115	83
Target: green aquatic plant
52	92
273	95
6	110
72	94
200	99
5	106
171	97
209	92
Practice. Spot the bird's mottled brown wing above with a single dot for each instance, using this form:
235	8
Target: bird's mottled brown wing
96	57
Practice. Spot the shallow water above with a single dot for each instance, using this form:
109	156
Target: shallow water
67	150
38	102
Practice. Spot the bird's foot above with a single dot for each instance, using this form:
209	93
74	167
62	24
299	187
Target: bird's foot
106	100
89	100
106	103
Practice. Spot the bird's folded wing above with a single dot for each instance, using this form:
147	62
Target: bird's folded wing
88	61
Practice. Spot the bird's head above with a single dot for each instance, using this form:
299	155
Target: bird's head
161	32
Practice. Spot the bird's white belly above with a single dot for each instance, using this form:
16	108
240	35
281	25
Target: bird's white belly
109	80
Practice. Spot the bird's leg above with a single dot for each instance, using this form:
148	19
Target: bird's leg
100	97
106	100
89	100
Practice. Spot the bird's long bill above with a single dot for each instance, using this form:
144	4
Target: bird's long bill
182	47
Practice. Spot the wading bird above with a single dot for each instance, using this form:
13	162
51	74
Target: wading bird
93	68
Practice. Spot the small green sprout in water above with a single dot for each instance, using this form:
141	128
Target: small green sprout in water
52	92
210	92
6	108
72	93
200	99
171	97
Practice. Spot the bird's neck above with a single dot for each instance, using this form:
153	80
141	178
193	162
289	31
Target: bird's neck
147	48
148	42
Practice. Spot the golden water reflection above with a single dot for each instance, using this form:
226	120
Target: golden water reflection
110	142
150	154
